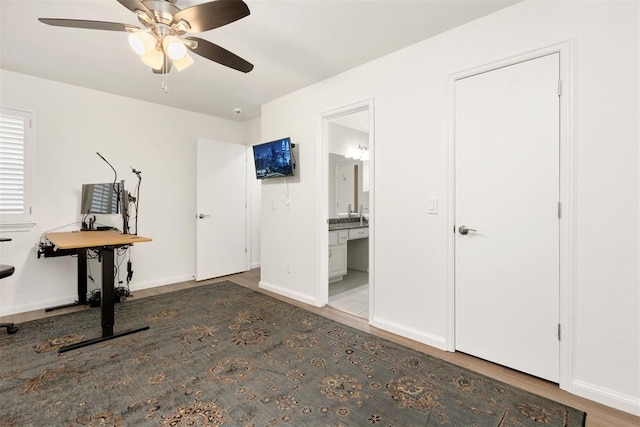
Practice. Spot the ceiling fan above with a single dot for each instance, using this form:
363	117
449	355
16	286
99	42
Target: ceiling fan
163	41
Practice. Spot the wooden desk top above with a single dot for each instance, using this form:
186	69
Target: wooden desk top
93	239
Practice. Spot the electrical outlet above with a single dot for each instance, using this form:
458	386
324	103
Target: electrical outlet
273	204
289	268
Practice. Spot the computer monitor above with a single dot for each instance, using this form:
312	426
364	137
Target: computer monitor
101	198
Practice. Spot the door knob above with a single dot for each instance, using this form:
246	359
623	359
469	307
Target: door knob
464	230
203	216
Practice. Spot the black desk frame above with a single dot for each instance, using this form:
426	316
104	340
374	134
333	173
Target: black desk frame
107	299
82	274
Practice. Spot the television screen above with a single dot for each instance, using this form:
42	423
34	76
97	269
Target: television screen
100	198
273	159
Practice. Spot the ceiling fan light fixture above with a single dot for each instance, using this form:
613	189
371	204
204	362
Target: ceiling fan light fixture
142	42
181	27
191	44
174	47
136	44
154	59
183	63
163	42
144	17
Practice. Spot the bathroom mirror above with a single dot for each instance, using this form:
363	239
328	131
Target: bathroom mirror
348	165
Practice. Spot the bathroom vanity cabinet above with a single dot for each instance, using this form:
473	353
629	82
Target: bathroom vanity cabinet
337	254
348	249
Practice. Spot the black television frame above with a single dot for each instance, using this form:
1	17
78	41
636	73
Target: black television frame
265	163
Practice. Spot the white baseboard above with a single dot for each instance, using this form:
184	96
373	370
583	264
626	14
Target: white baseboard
287	293
40	305
164	281
255	265
414	334
614	399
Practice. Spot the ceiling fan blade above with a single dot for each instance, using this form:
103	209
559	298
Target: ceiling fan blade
207	16
90	25
132	5
215	53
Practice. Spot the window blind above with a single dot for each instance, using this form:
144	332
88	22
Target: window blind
12	163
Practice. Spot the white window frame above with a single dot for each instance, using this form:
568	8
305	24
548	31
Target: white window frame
26	219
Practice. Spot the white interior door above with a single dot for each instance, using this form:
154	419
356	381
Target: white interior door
221	211
507	191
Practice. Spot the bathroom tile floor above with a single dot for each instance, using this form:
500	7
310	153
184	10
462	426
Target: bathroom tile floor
351	294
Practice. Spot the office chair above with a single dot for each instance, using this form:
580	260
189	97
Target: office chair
6	271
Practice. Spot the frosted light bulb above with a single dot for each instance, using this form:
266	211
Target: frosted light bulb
174	47
136	44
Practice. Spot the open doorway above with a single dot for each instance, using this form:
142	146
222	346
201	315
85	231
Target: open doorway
348	149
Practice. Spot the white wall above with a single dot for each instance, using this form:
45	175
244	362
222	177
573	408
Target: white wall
343	140
411	104
252	137
72	123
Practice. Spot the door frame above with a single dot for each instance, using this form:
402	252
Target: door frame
567	197
322	282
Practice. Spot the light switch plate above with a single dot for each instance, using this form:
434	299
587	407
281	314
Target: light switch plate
432	206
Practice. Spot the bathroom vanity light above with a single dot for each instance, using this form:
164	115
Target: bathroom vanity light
359	153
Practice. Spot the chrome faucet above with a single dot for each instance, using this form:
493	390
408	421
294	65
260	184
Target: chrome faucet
362	208
349	210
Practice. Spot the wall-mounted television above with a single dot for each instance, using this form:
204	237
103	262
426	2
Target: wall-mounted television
101	198
274	159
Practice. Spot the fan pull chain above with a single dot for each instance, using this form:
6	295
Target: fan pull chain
165	75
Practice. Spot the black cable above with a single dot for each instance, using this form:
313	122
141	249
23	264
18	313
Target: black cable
42	241
89	274
293	156
137	202
118	190
129	271
120	291
115	178
137	195
120	254
95	252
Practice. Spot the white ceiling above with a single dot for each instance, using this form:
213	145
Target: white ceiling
358	121
292	43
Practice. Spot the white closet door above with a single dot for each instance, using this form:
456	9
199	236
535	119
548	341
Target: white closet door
507	191
221	212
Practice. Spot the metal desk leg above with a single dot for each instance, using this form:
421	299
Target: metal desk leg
82	276
107	308
82	283
108	290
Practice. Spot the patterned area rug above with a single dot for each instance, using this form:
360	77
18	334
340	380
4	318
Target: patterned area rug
222	354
